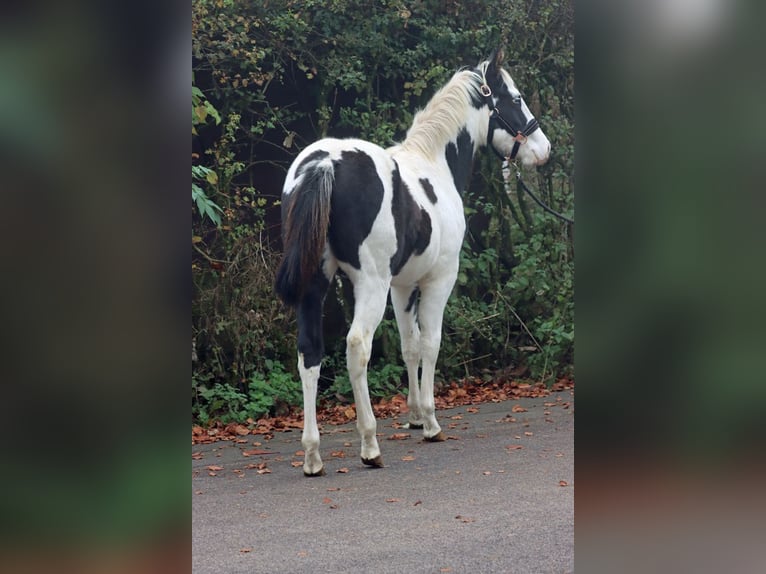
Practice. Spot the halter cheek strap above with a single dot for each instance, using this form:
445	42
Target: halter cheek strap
496	117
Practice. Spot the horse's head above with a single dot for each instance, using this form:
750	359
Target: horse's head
513	131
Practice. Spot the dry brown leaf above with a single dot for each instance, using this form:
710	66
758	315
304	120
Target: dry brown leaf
400	436
518	409
408	458
245	550
563	483
393	499
213	467
343	470
255	452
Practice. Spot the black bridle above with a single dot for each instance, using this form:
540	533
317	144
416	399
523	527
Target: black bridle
497	118
520	138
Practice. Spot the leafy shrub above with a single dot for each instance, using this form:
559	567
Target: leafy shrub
272	77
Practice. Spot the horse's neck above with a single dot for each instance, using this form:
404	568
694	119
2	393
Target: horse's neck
459	154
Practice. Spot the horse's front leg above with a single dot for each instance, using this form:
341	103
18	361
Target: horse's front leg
433	300
405	301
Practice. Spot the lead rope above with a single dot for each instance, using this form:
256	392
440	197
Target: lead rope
521	137
536	199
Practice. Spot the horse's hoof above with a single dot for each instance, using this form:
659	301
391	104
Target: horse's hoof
376	462
438	437
320	472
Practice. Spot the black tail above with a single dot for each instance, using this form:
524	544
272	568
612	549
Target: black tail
305	219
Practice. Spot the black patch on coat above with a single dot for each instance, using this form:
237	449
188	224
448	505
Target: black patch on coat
310	337
429	189
412	223
312	157
412	302
460	159
509	109
356	199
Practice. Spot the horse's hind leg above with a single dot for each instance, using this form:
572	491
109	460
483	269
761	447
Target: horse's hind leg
369	305
310	352
405	301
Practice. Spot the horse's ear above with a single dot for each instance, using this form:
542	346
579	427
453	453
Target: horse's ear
496	61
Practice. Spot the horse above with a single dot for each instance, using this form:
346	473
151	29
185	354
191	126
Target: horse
392	220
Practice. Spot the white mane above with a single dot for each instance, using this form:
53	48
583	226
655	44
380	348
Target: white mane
444	115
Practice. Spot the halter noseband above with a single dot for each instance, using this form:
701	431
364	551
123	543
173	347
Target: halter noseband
497	117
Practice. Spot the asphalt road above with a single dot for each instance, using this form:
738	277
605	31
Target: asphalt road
476	503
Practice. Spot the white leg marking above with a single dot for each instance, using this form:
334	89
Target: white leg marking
409	334
369	305
433	299
312	464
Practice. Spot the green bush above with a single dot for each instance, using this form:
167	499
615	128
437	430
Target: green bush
272	77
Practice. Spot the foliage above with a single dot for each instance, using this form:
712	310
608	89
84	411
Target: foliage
278	75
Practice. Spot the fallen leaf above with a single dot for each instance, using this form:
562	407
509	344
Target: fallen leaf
527	433
486	473
417	502
264	471
326	500
465	519
296	463
196	455
338	454
245	550
408	458
514	447
212	474
214	467
563	483
518	409
393	499
400	436
255	451
343	470
300	453
472	410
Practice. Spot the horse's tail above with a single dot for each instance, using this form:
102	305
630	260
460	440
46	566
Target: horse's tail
305	219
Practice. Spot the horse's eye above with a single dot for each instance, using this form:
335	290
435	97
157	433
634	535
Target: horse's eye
517	100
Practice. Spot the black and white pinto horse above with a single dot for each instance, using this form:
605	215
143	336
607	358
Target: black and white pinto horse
392	219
